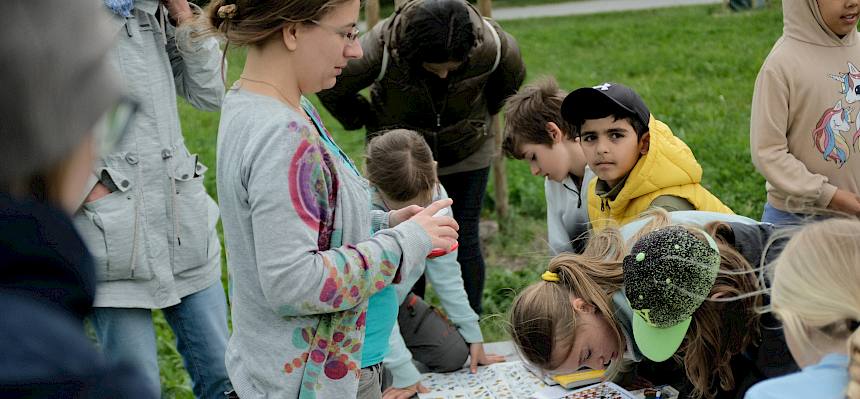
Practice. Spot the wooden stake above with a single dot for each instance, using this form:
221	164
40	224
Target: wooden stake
371	13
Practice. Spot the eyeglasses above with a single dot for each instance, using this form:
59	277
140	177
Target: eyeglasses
113	125
350	35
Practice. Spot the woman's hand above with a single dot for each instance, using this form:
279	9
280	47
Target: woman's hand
441	229
402	214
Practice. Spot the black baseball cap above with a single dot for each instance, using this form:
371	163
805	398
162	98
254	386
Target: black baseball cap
602	100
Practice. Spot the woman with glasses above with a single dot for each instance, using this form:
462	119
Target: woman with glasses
148	220
59	102
437	67
296	211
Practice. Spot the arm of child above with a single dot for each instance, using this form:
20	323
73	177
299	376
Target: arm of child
399	361
769	143
296	276
343	100
672	203
445	276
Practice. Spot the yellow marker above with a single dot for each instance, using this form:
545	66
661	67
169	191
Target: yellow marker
579	378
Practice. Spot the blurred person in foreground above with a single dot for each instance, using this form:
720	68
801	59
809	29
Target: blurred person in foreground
60	97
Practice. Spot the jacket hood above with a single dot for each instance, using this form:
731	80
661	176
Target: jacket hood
42	257
802	21
668	163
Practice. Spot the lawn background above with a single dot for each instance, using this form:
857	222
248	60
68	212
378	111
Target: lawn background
694	66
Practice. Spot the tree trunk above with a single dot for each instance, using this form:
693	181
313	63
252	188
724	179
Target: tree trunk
486	8
371	13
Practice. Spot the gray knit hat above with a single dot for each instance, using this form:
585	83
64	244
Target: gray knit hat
667	276
56	81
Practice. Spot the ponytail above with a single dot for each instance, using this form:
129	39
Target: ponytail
542	318
853	391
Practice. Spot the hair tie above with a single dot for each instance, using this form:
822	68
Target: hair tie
550	277
227	11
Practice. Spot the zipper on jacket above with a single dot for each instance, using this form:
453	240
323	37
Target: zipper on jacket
578	195
127	28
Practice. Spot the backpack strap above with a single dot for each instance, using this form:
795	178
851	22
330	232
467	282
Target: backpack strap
498	43
384	67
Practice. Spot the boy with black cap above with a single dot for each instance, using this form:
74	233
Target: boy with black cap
639	163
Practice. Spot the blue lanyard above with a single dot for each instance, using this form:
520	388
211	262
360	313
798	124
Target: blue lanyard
324	134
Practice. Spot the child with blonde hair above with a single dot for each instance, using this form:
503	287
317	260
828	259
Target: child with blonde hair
666	296
815	294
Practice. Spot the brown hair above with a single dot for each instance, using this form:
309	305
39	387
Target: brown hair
541	316
400	164
528	111
720	328
251	22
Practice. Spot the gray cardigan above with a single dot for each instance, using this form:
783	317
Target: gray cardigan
297	224
154	236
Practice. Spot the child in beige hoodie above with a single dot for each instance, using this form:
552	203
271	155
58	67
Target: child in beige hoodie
805	122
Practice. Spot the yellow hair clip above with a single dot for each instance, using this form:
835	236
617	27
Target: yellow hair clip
550	276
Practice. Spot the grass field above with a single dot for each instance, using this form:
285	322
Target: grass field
695	68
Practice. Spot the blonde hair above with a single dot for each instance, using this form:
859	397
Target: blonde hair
815	287
400	164
541	316
720	328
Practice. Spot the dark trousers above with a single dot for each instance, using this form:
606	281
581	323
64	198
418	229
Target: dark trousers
467	190
432	339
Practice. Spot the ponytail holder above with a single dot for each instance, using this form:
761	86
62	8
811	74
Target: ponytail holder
228	11
550	277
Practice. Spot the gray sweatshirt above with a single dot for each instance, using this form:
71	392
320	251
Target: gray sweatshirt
302	262
567	212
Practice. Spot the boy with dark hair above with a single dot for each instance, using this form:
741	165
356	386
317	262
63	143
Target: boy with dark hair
639	163
536	132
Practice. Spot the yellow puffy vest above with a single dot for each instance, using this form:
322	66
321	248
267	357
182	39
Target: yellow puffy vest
669	168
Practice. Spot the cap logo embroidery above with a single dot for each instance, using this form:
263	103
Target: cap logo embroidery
603	87
645	315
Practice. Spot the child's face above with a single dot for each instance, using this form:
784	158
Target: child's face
839	15
555	161
611	147
594	344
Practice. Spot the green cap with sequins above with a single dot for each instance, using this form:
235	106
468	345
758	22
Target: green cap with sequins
667	275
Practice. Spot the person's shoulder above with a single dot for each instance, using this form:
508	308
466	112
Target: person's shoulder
261	118
814	382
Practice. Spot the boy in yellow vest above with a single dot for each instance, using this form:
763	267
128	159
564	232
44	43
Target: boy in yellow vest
639	163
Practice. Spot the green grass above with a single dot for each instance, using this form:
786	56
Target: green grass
694	66
386	8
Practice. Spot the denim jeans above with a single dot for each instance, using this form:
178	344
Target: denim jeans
467	190
779	217
200	325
